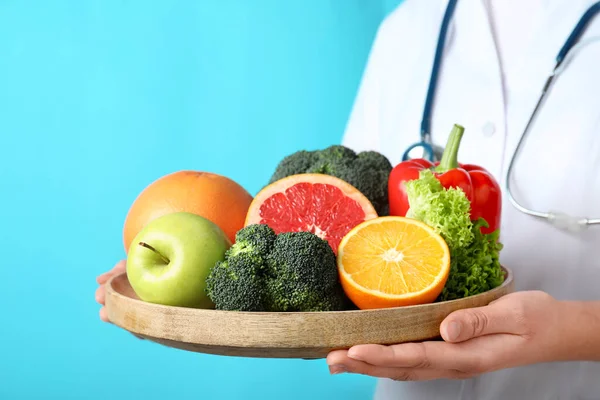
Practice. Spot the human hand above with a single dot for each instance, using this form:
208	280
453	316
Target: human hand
518	329
101	291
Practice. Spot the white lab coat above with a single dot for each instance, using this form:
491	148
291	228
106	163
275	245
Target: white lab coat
559	167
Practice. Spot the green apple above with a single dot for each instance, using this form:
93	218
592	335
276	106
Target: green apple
170	258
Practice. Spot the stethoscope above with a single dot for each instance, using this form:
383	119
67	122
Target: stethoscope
433	152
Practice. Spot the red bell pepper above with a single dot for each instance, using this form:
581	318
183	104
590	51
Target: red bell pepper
478	184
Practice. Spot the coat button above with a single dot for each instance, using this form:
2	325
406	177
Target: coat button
488	129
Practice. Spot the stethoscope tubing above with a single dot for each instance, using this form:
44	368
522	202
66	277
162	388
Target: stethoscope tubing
431	152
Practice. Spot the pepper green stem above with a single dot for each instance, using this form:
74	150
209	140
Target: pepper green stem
450	157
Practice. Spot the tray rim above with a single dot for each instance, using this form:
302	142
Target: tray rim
275	340
508	280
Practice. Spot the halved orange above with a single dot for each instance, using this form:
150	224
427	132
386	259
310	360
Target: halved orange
391	262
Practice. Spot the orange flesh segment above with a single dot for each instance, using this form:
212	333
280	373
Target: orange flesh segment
394	256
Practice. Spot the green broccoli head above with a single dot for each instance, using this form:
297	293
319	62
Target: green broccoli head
336	153
263	271
254	240
302	274
234	287
333	160
375	160
291	298
368	171
291	164
236	283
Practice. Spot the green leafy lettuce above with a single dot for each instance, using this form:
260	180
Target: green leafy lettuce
475	266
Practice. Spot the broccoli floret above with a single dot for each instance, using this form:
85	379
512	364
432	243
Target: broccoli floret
263	271
235	287
291	164
336	153
302	274
333	300
333	160
254	240
236	283
368	171
373	159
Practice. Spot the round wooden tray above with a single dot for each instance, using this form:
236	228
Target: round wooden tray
281	335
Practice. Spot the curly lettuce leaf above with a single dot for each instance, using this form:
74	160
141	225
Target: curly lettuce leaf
474	266
447	211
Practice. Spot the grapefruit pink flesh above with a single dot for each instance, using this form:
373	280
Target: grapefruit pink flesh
326	206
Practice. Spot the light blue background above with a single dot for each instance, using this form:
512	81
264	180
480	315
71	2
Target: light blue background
98	99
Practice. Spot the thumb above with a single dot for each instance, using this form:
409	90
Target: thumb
470	323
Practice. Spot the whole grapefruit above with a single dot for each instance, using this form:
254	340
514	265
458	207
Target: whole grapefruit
212	196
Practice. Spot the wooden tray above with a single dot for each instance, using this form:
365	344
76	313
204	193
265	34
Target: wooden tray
280	335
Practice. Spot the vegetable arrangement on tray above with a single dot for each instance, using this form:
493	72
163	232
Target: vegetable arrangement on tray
332	230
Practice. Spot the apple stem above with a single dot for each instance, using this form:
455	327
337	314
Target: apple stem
146	245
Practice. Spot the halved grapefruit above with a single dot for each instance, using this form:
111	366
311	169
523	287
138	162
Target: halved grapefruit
322	204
